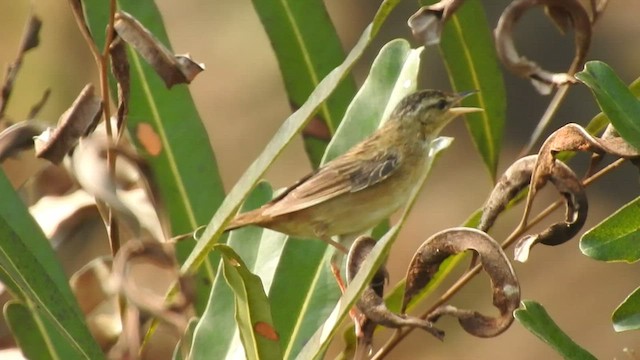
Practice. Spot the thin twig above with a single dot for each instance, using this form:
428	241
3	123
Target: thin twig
462	281
553	107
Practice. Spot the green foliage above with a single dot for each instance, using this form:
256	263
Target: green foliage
616	238
616	101
468	53
535	318
264	295
32	272
308	48
627	315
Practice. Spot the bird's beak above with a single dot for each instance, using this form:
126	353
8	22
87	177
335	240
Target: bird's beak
456	111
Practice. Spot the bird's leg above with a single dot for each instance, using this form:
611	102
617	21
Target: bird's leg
335	261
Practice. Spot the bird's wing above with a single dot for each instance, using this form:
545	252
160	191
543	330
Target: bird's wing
341	176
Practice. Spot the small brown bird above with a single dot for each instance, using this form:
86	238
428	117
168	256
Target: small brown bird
354	192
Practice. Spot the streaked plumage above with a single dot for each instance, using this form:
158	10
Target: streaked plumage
368	183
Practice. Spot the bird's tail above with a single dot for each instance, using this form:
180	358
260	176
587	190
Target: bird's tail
249	218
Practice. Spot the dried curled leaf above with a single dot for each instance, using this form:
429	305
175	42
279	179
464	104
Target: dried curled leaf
78	121
371	304
563	13
90	168
120	70
505	286
426	24
99	306
571	137
19	137
515	179
176	313
173	69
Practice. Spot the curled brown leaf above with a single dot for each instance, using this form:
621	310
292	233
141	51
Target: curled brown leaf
563	13
571	137
157	254
426	24
516	178
173	69
19	137
120	70
505	286
78	121
371	304
90	168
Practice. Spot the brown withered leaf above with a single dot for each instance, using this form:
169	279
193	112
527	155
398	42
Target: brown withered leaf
371	304
120	70
160	255
136	207
563	13
59	216
89	283
19	137
505	286
426	24
173	69
76	122
30	39
516	178
571	137
100	307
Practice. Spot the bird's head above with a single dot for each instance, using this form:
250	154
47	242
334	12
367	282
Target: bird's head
429	111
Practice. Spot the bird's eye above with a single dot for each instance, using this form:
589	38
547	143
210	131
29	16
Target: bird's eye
441	104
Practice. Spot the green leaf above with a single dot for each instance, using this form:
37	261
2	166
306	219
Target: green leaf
182	350
617	237
252	310
627	315
285	134
220	308
536	319
26	332
33	272
616	101
307	48
469	55
319	342
185	169
392	76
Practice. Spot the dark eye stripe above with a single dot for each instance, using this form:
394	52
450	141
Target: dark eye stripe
441	104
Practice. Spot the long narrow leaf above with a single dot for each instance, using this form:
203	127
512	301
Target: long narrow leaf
285	134
27	258
468	52
252	311
627	315
615	99
26	332
536	319
185	166
615	238
219	311
308	48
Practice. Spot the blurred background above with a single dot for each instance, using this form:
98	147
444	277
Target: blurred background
241	99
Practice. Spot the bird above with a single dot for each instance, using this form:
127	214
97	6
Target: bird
354	192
